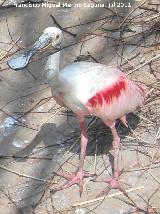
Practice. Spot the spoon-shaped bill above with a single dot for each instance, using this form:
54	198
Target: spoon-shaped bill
22	60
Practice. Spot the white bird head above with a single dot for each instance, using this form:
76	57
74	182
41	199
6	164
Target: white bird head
51	37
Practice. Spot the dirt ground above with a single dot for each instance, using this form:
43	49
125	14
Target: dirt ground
38	137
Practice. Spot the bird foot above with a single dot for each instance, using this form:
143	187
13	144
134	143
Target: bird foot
113	183
72	179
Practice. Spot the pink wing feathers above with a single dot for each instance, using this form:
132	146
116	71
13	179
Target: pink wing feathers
104	91
109	93
112	102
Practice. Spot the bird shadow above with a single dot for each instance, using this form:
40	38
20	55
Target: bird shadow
51	142
101	135
54	137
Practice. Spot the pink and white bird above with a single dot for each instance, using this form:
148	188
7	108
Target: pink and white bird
87	88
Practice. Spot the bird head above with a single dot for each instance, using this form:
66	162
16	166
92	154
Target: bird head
50	38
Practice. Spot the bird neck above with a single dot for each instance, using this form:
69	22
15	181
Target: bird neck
52	67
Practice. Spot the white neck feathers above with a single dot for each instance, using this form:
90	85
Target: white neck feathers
52	67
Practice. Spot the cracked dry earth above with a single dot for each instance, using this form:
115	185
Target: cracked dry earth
37	137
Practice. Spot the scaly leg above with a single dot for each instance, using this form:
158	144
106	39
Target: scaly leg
77	178
113	181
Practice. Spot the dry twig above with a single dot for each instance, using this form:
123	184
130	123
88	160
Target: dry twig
107	196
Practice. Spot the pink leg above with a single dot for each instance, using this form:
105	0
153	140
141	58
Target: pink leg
124	121
114	180
116	145
78	177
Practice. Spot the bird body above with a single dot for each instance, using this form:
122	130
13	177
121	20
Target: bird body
95	89
87	88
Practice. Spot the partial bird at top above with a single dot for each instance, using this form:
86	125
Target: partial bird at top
87	88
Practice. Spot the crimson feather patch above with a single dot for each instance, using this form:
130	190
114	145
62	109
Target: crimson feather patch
108	93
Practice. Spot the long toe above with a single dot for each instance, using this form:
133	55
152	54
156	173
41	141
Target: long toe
73	179
113	183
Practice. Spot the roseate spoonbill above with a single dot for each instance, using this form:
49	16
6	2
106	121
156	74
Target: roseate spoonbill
87	89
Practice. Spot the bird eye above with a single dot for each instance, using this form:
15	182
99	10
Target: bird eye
57	36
